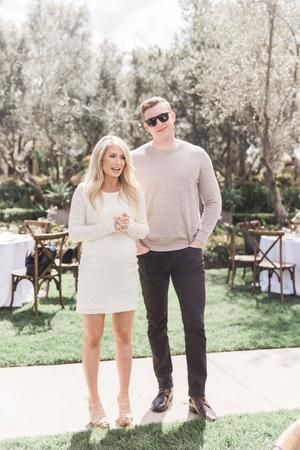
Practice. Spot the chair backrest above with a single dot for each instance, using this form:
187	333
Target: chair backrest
77	252
263	255
43	256
37	226
231	244
248	240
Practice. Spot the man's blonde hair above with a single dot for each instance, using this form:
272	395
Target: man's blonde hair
152	101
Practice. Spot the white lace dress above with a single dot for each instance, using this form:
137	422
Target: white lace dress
108	271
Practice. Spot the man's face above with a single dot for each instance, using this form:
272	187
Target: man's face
159	121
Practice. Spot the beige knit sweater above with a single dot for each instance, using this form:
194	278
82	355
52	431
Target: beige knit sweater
177	184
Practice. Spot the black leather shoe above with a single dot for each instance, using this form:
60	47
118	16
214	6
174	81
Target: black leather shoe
199	405
162	400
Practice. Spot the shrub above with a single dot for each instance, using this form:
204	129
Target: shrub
14	193
256	198
265	218
215	253
11	214
291	198
59	194
232	198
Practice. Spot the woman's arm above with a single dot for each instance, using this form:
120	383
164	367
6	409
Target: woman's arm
79	231
138	228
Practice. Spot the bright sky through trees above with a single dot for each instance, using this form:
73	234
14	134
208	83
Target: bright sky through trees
128	23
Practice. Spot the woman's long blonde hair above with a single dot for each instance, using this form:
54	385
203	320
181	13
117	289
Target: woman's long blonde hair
95	175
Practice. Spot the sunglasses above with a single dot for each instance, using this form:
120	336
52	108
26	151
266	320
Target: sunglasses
163	117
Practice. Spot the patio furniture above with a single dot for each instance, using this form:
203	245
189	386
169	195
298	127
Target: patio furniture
37	226
271	262
13	249
73	265
235	259
51	272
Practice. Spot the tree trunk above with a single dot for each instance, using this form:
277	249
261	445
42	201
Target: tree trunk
270	178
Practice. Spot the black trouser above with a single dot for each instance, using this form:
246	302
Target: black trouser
185	267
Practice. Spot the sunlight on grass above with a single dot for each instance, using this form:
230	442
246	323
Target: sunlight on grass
251	432
235	320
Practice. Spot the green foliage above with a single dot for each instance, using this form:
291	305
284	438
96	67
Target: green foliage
14	193
216	257
59	194
265	218
215	253
232	198
291	198
247	431
256	198
59	330
16	214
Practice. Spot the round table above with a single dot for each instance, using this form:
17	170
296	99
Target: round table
290	254
13	249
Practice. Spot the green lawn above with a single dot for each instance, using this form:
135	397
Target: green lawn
251	432
235	320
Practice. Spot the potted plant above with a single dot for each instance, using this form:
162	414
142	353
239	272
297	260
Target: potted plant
58	198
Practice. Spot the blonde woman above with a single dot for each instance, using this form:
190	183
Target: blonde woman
108	216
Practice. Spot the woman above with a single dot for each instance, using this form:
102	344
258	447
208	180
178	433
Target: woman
108	216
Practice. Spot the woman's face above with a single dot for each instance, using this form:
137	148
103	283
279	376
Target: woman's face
113	162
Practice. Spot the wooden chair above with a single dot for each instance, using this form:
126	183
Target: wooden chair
51	272
264	262
235	259
34	227
73	266
245	226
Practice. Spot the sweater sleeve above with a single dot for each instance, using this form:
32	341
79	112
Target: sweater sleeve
138	228
79	231
209	193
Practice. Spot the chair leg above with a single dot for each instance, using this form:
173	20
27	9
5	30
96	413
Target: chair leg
292	273
76	280
254	279
14	284
228	273
35	305
47	288
232	276
269	280
281	292
281	286
60	291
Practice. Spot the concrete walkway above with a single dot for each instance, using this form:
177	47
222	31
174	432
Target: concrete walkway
51	399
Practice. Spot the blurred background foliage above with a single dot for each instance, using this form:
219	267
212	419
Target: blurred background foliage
236	94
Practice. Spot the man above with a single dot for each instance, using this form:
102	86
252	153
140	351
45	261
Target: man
177	177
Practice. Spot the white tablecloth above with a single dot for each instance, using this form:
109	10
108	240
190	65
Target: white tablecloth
290	254
13	249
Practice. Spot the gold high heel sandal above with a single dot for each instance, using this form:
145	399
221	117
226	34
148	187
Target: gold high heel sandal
125	416
98	418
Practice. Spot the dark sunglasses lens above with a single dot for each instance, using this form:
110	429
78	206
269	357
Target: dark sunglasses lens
163	117
151	122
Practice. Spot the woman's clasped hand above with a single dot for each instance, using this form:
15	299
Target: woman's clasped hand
121	222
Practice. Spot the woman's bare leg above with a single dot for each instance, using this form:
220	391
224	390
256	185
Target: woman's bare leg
122	330
93	325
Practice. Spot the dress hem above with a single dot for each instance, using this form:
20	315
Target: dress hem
105	312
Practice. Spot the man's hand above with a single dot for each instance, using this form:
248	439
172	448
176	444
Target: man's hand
196	244
141	249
